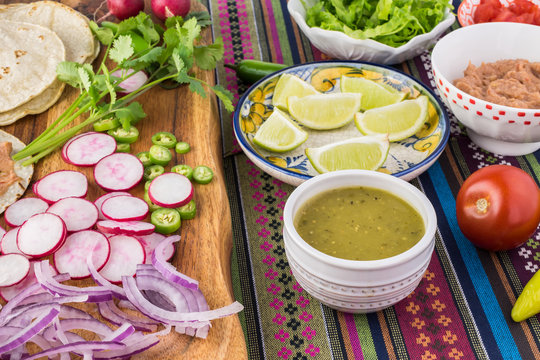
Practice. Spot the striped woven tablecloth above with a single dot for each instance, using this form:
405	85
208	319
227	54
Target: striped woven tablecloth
460	310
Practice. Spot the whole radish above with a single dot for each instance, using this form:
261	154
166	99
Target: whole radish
167	8
123	9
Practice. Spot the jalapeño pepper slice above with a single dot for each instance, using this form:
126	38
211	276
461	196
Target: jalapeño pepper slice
145	158
125	136
183	169
188	211
121	147
202	174
151	206
182	147
165	220
165	139
153	171
106	124
160	155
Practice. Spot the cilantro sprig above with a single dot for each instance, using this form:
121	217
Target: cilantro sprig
165	54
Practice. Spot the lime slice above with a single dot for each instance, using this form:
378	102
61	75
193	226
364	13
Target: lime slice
289	85
374	94
325	111
399	120
279	134
366	152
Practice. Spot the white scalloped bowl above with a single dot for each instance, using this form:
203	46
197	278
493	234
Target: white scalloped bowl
358	286
340	46
500	129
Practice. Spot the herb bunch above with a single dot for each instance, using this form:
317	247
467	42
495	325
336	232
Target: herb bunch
166	55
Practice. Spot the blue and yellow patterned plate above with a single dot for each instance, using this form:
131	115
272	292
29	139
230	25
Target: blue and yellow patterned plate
406	159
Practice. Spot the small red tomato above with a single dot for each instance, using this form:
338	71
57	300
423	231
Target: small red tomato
498	207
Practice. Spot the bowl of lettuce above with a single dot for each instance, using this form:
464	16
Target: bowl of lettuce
379	31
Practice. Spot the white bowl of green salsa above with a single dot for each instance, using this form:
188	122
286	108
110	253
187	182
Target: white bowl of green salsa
359	241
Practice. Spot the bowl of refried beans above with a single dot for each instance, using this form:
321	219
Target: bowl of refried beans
489	76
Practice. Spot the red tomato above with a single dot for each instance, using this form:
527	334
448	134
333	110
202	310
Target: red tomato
498	207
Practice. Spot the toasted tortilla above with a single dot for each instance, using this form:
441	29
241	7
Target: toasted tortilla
75	51
70	25
25	173
29	56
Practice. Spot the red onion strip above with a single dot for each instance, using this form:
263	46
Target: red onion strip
137	298
29	331
121	333
100	280
168	271
111	312
79	347
44	277
130	350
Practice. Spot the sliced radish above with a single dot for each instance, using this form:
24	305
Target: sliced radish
89	149
13	269
170	190
119	171
8	244
124	208
2	233
125	227
149	242
34	187
66	145
21	210
126	253
41	235
71	257
61	184
8	293
99	201
78	214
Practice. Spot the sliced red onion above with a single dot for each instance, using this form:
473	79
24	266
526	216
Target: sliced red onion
39	340
92	325
130	350
33	310
168	271
36	298
8	308
165	289
111	312
116	290
79	347
183	319
43	276
158	299
121	333
26	333
132	81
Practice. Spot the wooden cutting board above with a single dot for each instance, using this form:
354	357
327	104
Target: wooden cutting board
205	248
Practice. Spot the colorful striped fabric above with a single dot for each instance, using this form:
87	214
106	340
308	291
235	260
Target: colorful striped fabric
460	310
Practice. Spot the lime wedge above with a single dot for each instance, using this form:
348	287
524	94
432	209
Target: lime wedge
279	134
399	120
325	111
289	85
374	95
366	152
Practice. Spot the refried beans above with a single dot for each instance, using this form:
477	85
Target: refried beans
514	83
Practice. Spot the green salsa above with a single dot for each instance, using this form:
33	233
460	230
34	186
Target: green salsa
359	223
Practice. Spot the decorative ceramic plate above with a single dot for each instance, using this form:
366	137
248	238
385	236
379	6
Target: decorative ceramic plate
406	159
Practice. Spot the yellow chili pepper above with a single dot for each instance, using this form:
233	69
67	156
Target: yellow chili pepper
528	302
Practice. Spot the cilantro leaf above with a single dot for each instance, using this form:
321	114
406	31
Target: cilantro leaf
225	96
67	71
130	114
121	49
207	56
144	61
104	35
203	18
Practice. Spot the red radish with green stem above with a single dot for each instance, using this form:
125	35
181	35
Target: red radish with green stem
123	9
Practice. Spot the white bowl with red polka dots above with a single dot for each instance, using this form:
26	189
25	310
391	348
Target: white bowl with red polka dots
358	286
496	128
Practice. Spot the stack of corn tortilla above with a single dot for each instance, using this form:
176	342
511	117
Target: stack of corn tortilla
35	38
